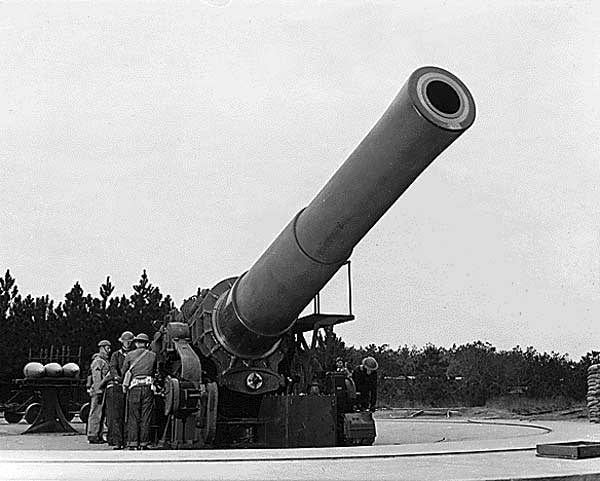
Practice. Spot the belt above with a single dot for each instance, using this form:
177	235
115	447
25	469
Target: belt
141	381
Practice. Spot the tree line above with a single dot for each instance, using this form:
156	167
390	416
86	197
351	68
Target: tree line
472	374
28	322
469	374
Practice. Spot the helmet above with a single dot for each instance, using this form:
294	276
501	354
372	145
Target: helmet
126	336
142	337
339	359
103	343
370	363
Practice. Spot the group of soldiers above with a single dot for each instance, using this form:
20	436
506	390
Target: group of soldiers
363	380
121	392
121	387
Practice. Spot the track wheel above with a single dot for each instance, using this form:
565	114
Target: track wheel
172	395
210	428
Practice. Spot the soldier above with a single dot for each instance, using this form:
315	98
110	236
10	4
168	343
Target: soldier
315	375
365	379
141	364
115	397
100	376
340	366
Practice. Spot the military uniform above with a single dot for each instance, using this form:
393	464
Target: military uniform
115	400
100	373
140	397
366	387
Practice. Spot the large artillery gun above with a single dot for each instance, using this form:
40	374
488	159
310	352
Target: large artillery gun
228	353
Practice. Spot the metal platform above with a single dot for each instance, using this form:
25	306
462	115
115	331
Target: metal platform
316	321
569	450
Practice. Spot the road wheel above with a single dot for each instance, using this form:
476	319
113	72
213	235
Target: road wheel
12	417
84	412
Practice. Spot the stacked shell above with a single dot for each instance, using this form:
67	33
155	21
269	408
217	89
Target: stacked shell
593	393
33	370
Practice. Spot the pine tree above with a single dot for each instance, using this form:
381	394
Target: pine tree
79	330
8	292
147	305
106	291
32	319
117	317
114	312
9	300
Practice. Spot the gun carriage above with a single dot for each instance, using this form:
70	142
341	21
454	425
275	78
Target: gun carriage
226	354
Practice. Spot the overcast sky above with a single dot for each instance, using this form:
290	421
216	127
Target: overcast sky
181	137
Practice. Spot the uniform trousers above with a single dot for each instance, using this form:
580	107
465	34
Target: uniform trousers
140	400
363	400
95	424
115	415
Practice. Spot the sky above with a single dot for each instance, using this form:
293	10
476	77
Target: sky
181	137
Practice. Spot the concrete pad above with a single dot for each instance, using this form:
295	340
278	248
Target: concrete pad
464	450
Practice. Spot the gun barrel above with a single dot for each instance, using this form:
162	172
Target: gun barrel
431	110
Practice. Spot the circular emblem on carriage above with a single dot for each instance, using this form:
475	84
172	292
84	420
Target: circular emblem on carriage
254	381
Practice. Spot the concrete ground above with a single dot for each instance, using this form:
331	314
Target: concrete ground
423	449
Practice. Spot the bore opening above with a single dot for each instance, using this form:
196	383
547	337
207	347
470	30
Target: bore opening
443	97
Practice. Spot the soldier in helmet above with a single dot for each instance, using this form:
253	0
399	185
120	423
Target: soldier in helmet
115	397
341	366
365	379
141	363
100	376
